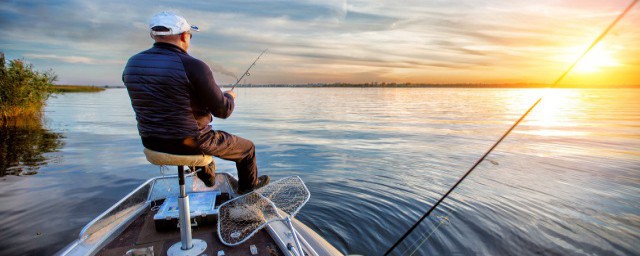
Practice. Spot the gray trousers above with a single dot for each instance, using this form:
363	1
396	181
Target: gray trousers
233	148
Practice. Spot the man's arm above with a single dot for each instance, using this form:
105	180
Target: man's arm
206	90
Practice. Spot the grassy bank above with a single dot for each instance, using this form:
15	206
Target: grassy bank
76	88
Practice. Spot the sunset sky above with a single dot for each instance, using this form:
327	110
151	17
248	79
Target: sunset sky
309	41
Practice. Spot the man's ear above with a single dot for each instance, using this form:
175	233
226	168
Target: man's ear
183	37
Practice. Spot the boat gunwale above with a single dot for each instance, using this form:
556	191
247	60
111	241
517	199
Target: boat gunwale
82	236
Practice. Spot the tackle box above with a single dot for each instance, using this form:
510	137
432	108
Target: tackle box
203	210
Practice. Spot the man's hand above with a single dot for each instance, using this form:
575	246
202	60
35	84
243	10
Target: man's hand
231	93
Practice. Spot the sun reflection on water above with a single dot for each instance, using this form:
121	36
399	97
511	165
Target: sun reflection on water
555	115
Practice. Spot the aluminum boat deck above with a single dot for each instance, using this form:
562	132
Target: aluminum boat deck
141	234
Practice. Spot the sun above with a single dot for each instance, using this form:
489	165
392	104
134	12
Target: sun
596	60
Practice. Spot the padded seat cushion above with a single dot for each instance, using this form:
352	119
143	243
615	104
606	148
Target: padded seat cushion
159	158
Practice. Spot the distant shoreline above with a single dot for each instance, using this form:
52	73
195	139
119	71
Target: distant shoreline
76	88
478	86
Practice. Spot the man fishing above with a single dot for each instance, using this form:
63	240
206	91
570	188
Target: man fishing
175	96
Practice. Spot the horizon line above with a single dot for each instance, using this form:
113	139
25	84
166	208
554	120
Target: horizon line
408	85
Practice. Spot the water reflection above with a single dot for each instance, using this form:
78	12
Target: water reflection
23	144
374	164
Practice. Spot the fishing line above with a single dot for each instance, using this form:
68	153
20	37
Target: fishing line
598	39
246	73
427	238
443	219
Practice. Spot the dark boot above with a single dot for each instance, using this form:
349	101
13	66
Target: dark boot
207	174
262	181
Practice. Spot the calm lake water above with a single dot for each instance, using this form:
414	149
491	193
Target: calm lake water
567	181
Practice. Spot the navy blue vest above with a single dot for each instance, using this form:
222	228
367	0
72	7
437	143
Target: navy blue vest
160	94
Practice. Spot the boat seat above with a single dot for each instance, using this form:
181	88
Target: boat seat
160	158
187	245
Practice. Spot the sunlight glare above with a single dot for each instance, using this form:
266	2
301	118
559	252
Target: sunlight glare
597	59
554	114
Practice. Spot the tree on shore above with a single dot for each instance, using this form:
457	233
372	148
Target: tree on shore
23	90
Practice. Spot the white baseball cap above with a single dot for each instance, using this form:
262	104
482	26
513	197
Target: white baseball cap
176	24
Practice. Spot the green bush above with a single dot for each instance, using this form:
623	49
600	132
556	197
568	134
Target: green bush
23	91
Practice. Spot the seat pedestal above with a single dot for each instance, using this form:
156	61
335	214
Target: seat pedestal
187	245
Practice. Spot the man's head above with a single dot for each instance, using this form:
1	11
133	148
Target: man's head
167	27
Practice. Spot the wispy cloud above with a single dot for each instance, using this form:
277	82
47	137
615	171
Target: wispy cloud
71	59
324	40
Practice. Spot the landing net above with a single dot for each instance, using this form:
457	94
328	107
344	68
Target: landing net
242	217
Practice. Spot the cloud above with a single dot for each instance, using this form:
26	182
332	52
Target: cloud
352	39
71	59
68	59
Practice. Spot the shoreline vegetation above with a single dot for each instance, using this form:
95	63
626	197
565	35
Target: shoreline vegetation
24	140
24	91
58	88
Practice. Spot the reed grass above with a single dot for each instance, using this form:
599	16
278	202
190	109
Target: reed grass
23	90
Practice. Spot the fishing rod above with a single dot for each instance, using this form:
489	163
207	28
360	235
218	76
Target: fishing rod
557	81
246	73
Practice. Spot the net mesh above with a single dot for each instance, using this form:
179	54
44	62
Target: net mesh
243	216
